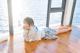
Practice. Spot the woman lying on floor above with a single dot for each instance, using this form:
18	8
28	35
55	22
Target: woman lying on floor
32	33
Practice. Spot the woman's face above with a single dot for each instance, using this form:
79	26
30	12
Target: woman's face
26	26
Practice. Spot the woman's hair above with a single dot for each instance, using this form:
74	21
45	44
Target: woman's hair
29	20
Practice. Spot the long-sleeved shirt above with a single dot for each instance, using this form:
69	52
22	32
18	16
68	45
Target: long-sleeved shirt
33	34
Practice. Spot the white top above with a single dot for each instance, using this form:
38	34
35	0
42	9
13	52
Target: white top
33	34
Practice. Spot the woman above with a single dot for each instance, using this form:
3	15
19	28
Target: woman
31	32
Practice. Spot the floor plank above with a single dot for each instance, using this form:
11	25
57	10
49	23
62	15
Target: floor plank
66	43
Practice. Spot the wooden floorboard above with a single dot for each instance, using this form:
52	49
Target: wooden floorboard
66	43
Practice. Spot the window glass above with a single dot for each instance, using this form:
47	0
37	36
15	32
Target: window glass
55	19
4	25
28	8
56	3
76	19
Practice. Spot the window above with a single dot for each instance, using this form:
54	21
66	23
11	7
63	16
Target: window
37	10
28	8
56	3
76	18
4	25
55	19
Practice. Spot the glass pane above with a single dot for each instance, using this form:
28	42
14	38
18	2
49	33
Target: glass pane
76	19
56	3
55	19
37	10
3	19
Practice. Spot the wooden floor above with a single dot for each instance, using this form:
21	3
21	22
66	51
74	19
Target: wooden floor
66	43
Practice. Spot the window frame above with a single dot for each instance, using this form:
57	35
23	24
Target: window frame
9	4
72	13
53	10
